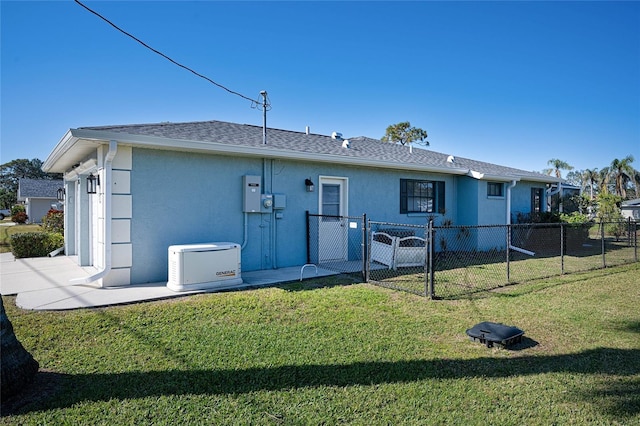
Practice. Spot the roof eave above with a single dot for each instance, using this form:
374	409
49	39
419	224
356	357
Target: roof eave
155	142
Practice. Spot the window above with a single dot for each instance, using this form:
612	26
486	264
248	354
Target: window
495	189
536	200
330	202
421	196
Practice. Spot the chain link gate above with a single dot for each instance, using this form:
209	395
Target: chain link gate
337	243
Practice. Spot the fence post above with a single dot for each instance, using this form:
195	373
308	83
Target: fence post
604	260
635	241
562	244
431	276
508	253
365	248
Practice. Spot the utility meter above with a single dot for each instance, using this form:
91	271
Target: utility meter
267	203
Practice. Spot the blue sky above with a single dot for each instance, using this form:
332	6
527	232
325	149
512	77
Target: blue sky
512	83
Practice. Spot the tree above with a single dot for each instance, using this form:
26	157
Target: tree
558	166
590	177
13	171
622	173
403	133
603	180
17	365
636	183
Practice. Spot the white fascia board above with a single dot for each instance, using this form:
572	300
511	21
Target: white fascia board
510	178
214	147
64	145
495	178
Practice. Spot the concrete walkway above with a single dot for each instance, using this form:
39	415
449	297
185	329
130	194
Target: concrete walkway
43	284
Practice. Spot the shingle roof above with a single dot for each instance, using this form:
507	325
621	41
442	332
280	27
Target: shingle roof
38	188
363	148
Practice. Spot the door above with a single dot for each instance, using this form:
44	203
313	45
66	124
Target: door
333	230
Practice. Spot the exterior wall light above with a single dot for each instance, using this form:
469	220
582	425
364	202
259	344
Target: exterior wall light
309	184
92	183
60	195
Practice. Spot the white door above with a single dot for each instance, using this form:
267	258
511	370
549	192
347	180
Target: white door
333	231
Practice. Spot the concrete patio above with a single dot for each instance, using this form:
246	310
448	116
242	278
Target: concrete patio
44	284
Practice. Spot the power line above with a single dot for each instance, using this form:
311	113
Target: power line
253	101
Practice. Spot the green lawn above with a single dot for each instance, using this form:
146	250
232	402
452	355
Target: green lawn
328	351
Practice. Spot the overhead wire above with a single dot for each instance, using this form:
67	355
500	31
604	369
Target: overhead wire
253	101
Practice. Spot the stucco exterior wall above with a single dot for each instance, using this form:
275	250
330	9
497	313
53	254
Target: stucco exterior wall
521	198
467	201
186	198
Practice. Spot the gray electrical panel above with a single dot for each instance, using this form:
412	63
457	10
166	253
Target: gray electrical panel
279	201
251	201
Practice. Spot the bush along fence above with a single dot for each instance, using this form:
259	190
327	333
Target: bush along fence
453	261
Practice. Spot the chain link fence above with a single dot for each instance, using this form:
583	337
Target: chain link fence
336	242
452	261
398	256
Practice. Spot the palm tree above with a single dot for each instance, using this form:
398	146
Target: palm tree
603	179
17	365
558	166
636	182
590	176
622	171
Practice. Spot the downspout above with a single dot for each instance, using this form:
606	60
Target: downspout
113	149
513	184
512	247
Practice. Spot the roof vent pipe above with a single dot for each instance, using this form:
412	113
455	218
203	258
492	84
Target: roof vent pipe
306	130
336	135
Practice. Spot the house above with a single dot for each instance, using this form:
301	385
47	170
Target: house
157	185
561	197
38	196
631	209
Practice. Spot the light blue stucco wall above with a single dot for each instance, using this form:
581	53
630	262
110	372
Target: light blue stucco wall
521	198
467	201
491	210
475	207
185	198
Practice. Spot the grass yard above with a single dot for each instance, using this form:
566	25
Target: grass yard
460	273
328	351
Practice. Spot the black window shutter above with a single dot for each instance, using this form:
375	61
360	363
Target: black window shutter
440	197
403	196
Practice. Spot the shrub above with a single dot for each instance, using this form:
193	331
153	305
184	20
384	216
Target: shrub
54	221
35	244
574	217
19	214
617	229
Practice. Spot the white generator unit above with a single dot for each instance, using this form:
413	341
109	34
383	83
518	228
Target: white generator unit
204	266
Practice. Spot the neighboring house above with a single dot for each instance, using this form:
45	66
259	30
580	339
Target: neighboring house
183	183
631	209
38	196
560	197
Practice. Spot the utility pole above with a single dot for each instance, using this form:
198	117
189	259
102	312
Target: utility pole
264	117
